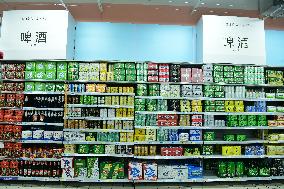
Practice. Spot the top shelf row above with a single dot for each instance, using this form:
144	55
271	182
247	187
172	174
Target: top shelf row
141	73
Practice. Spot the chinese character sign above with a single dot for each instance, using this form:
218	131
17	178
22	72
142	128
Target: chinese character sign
35	39
40	34
230	39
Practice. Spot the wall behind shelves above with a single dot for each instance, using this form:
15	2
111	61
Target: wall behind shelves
161	43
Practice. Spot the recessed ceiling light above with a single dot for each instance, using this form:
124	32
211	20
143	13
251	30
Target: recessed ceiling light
186	2
73	5
170	1
226	12
108	6
202	3
194	10
218	4
177	9
157	8
231	5
211	11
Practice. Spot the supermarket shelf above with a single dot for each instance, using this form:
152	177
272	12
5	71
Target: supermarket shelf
102	180
242	156
208	98
97	155
274	142
101	118
41	141
39	159
242	179
30	178
99	130
33	80
101	94
210	113
167	112
33	92
168	157
170	180
51	109
97	106
169	142
167	127
235	142
41	124
97	142
10	108
211	127
232	157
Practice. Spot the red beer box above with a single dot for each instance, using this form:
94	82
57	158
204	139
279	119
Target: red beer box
152	66
167	117
167	123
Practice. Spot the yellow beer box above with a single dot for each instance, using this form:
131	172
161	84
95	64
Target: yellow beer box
90	87
124	112
240	108
123	137
114	89
101	88
151	132
69	148
104	124
229	103
115	100
150	138
271	150
118	124
139	137
130	101
110	124
119	112
130	112
129	137
103	67
196	103
103	76
123	100
94	67
108	100
110	76
140	131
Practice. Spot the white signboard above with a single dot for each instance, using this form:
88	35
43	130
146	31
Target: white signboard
230	39
37	34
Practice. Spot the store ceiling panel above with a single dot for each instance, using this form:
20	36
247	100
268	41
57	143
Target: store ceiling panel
229	4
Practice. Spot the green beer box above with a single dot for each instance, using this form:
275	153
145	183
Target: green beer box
229	137
61	66
130	72
119	77
218	88
219	108
219	80
209	94
140	101
218	74
209	103
238	74
208	88
209	108
241	137
209	136
242	117
40	75
29	86
232	118
118	66
50	66
220	102
60	87
219	94
119	72
39	86
140	107
29	74
50	75
40	67
97	149
73	66
61	75
233	123
238	69
243	123
130	66
228	68
218	68
229	74
50	86
130	78
30	66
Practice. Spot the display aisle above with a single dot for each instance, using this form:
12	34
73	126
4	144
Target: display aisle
141	122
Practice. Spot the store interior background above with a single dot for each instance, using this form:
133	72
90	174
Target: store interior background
155	30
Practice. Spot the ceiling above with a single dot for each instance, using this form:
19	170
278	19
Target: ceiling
228	4
172	12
